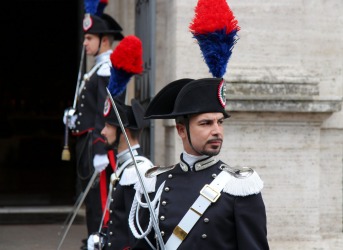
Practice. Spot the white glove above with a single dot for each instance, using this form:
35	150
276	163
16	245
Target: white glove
72	121
72	118
90	241
100	162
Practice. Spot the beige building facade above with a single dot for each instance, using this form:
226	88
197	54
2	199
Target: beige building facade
285	87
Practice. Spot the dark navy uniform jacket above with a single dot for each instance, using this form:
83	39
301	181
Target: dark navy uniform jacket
90	119
119	235
237	220
89	141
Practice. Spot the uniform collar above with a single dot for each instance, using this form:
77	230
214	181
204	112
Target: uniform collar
103	57
199	164
126	155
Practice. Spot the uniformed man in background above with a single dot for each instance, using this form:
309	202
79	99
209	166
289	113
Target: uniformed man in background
116	234
86	124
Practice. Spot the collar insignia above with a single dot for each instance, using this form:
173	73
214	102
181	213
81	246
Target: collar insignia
199	165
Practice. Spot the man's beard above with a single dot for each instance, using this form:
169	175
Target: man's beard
214	152
110	146
210	153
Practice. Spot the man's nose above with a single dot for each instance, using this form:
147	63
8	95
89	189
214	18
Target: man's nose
216	128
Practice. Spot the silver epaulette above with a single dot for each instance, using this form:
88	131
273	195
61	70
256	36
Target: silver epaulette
153	172
241	172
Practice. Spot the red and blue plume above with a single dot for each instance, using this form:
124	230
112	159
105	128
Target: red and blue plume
101	6
91	6
215	28
127	60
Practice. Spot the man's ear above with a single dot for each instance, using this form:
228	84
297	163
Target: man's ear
181	130
128	133
104	39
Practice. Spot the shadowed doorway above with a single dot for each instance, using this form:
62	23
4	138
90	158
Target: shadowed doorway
41	46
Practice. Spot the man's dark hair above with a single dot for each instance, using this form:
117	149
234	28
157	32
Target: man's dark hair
181	120
135	133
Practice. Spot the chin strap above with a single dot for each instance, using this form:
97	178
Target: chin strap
100	39
189	134
116	142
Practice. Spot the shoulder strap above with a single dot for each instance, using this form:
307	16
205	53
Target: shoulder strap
208	195
115	176
94	69
130	176
88	75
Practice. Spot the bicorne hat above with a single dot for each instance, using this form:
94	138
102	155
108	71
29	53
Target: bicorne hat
188	97
106	25
131	116
163	102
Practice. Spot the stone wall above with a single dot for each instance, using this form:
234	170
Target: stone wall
285	96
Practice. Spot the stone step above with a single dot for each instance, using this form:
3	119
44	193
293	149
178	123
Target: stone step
40	215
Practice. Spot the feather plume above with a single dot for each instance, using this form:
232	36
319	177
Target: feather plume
127	60
91	6
215	29
101	6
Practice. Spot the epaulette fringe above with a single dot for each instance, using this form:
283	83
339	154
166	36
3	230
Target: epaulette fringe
244	186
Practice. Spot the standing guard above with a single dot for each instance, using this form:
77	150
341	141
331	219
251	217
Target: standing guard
87	121
116	235
127	123
202	202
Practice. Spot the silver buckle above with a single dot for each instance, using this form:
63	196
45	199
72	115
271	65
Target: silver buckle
208	190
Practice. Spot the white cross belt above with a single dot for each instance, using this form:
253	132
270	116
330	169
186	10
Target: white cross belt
208	194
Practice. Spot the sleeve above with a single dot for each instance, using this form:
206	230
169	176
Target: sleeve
123	201
98	140
251	222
